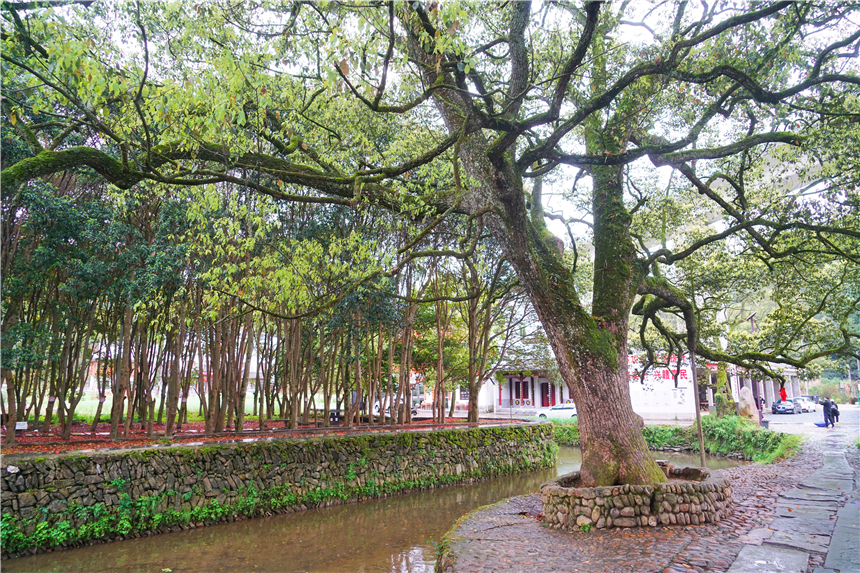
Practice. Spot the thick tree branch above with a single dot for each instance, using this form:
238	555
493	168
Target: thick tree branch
570	66
671	297
519	58
666	154
758	93
733	22
46	4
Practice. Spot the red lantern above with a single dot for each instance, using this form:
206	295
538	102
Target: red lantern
782	395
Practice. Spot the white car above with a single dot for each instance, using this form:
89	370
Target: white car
388	409
806	405
560	411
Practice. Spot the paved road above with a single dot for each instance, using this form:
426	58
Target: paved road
801	516
849	420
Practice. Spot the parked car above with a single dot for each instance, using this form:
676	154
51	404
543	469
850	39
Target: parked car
560	411
787	407
806	405
814	398
388	409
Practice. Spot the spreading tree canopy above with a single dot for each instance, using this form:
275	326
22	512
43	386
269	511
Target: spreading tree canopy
471	110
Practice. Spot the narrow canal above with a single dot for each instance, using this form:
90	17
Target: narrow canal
396	535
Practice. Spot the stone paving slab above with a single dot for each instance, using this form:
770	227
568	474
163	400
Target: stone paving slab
849	516
811	495
754	559
829	483
838	471
802	525
844	553
807	504
805	512
801	541
756	536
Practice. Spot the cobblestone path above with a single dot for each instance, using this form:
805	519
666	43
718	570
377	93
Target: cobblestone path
507	537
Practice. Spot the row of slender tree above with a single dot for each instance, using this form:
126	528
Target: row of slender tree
152	298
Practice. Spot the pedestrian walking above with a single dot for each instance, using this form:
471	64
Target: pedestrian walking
834	412
828	417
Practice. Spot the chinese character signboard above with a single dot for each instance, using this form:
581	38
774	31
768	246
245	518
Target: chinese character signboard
657	396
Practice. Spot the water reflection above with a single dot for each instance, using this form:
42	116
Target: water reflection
396	534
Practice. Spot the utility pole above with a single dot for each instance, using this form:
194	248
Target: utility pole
858	381
696	404
753	381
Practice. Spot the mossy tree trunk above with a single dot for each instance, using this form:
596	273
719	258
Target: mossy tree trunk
725	403
591	348
122	382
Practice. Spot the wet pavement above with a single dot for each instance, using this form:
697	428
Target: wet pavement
801	515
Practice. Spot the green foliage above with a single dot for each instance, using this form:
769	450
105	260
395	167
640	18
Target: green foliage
118	483
726	435
833	387
661	436
566	432
551	453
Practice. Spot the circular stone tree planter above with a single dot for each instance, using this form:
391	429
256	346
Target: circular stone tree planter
690	497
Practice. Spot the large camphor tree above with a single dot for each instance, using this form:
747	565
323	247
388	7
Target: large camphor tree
470	110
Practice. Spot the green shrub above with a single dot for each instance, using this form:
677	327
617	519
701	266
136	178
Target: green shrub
736	434
726	435
566	432
665	436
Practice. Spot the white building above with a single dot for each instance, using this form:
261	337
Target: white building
530	393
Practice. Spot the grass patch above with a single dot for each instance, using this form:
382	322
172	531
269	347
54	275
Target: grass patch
566	432
727	435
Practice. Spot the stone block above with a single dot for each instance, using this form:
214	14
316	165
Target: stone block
627	512
582	520
26	499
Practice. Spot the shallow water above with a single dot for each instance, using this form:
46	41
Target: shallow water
396	534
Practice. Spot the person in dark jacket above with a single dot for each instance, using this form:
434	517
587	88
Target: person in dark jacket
828	416
834	412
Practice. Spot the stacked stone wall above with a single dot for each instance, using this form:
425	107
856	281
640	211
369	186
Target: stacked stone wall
698	499
71	500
